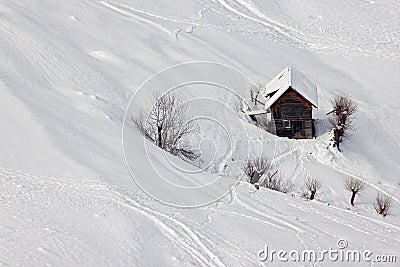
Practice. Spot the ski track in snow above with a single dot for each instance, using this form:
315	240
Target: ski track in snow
174	230
310	36
302	233
301	161
359	224
49	62
199	244
282	222
174	235
178	232
137	17
213	259
249	217
315	36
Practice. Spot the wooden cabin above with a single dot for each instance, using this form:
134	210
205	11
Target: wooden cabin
290	98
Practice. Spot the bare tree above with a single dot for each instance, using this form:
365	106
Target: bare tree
312	185
167	126
383	204
255	168
276	182
260	173
355	186
255	90
342	120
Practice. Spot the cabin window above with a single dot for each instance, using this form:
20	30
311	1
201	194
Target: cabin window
286	124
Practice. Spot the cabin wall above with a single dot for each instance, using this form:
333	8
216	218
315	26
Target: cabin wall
292	107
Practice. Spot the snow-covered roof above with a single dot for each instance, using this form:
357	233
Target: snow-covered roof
290	77
255	112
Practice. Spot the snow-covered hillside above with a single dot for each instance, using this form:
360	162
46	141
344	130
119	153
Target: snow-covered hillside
68	70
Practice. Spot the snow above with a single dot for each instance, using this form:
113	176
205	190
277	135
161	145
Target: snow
291	78
68	70
255	112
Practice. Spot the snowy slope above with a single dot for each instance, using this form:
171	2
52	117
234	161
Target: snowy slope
68	70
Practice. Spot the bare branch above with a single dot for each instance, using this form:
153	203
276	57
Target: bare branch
312	185
342	119
383	204
355	186
276	182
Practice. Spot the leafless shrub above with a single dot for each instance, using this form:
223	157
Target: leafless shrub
311	185
276	182
261	120
255	168
255	90
264	122
355	186
342	120
167	126
383	204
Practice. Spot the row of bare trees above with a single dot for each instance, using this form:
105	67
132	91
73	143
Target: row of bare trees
342	120
260	173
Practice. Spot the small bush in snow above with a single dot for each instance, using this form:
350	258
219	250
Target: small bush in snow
167	126
260	173
383	204
277	183
342	120
311	186
355	186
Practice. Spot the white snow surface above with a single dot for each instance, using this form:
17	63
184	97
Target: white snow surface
68	70
289	77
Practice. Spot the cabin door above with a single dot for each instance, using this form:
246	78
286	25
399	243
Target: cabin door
298	128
